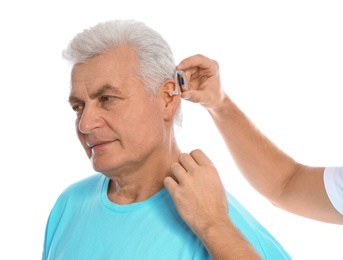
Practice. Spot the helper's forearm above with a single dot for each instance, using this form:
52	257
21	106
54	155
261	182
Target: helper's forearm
263	164
287	184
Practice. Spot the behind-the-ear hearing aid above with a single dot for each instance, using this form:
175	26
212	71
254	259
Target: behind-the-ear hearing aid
180	82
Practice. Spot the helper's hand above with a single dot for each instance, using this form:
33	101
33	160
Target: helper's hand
203	80
198	193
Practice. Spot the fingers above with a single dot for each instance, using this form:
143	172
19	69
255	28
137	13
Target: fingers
194	159
179	172
200	157
191	95
197	191
187	161
203	80
179	175
198	68
191	161
197	60
187	165
170	184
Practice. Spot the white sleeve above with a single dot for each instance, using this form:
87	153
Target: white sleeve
333	181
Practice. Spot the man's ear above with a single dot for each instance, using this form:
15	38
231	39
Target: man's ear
170	94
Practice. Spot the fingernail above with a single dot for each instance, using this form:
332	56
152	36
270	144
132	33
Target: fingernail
188	96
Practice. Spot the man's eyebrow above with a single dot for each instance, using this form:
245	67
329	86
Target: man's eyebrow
103	89
73	99
97	93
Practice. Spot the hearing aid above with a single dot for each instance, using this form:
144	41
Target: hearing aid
180	82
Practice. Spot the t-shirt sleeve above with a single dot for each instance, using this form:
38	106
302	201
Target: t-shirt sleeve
333	181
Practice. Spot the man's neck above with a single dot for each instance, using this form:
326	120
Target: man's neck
143	182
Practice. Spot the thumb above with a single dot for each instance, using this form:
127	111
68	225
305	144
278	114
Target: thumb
191	95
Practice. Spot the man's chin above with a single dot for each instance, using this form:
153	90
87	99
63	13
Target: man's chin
98	167
102	167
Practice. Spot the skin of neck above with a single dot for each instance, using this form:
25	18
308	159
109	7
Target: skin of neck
145	178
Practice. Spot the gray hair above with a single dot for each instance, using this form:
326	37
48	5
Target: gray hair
155	61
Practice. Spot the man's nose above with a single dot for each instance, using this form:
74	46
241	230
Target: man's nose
90	120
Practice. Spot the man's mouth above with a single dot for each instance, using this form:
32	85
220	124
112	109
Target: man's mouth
98	145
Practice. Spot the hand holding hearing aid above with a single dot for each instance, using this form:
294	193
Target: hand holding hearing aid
203	83
180	83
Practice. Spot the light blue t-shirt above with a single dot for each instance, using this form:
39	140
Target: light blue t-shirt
85	224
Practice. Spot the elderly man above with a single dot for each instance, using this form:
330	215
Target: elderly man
148	200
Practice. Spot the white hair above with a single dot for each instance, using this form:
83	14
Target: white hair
155	61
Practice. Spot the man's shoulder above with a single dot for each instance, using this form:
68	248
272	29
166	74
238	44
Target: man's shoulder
85	183
84	186
251	228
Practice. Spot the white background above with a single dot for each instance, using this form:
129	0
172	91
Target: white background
281	61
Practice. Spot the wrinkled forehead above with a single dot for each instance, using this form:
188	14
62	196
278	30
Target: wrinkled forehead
109	73
118	64
119	60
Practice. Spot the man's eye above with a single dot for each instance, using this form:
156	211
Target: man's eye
77	108
106	98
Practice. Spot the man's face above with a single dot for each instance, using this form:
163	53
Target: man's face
118	124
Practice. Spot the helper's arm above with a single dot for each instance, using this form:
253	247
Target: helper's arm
288	184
